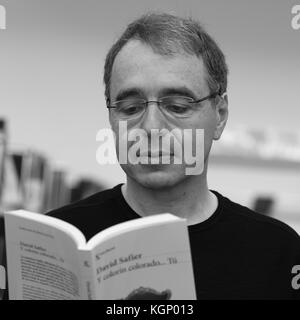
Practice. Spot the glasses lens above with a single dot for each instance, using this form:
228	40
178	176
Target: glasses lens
179	107
127	109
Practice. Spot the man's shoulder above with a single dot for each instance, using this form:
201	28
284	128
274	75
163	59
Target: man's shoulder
100	199
257	224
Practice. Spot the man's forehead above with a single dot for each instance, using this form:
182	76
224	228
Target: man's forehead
137	61
167	49
137	49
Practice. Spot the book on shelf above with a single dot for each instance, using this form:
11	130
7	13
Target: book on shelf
11	197
3	149
146	258
34	182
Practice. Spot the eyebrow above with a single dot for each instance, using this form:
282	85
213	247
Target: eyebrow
178	91
127	93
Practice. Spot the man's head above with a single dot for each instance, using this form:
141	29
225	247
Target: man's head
160	55
169	35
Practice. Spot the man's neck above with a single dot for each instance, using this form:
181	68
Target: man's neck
190	199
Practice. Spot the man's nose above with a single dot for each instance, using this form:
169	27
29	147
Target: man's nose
153	118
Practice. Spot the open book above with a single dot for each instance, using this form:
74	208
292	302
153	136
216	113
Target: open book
146	258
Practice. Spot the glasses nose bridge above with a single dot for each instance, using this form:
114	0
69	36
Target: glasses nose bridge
157	102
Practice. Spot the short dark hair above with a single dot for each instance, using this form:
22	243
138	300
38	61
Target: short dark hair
167	34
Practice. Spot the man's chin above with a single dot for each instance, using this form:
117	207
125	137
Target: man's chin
157	180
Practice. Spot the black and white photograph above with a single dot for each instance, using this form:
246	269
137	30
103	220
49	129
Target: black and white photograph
149	150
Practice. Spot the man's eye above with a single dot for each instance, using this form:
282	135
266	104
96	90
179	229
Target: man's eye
177	108
131	109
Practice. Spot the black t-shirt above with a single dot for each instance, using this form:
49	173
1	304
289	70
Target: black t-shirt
236	253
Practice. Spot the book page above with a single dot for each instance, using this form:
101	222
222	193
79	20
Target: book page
42	259
152	262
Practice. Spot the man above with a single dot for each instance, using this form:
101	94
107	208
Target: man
167	73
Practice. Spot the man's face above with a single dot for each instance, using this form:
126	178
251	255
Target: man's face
139	72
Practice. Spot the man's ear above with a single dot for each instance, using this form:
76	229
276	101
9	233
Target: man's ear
222	115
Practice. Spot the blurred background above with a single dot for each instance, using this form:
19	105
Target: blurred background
52	100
